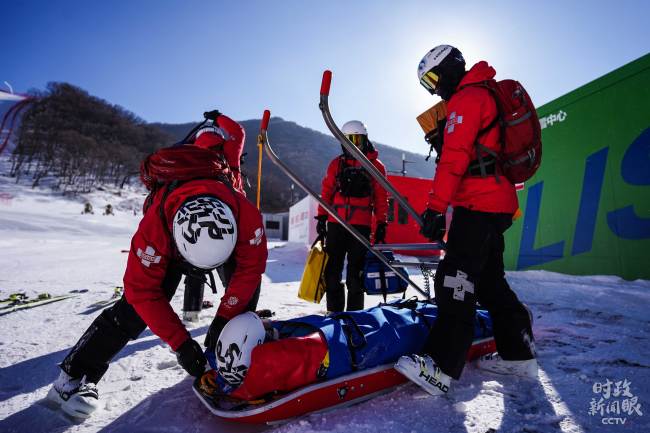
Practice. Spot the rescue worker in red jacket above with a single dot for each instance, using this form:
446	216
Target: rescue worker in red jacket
195	227
356	196
226	136
472	270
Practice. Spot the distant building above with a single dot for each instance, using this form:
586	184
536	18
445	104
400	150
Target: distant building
401	227
276	225
302	227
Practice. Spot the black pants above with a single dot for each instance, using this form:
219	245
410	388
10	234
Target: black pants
473	271
115	326
339	244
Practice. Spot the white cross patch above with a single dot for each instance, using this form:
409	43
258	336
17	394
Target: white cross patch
148	256
460	284
258	237
452	121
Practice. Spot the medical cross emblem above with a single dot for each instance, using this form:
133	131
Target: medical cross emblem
460	284
258	237
453	121
148	256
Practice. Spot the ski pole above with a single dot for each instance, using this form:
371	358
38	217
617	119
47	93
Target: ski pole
260	144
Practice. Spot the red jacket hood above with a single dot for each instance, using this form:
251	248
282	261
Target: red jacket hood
479	72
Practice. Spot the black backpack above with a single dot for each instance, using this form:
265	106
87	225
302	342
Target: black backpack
352	181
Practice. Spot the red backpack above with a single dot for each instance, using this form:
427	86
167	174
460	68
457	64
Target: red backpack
170	166
521	137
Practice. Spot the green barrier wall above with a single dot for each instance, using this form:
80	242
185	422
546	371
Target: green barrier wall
587	210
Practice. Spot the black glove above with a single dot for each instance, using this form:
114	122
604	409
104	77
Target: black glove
321	226
380	233
434	225
214	331
212	115
190	356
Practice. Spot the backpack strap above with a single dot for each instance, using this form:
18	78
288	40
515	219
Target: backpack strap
411	304
490	163
484	163
189	138
351	330
339	173
169	187
435	138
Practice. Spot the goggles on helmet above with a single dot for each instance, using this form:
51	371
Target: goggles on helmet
430	81
359	140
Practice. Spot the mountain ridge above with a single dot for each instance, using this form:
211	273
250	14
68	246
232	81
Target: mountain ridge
293	142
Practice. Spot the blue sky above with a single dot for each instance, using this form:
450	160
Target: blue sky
171	60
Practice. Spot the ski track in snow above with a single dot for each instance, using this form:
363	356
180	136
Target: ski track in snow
587	329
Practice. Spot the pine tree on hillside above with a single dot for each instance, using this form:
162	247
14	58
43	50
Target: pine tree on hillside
81	140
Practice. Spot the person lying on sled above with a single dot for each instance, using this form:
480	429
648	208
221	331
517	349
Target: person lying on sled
255	358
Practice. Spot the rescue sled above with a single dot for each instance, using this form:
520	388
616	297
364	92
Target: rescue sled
359	358
323	396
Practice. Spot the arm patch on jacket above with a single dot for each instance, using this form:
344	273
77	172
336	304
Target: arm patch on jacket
452	121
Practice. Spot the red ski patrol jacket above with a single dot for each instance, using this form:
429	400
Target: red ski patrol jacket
470	109
232	146
153	250
354	210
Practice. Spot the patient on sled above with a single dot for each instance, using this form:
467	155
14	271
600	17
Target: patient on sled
256	359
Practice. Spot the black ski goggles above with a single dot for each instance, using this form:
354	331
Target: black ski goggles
430	81
359	140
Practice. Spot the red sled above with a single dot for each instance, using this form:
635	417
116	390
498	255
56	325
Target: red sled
323	396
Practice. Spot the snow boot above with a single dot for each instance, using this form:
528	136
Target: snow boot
76	397
494	363
422	371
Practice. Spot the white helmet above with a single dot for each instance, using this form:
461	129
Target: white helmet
208	128
441	70
433	58
235	345
354	127
205	232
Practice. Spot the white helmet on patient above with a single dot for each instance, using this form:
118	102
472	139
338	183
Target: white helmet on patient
235	345
205	232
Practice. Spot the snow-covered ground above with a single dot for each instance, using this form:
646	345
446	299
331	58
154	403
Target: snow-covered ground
588	330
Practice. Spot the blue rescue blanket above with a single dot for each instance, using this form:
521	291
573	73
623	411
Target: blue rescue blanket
358	340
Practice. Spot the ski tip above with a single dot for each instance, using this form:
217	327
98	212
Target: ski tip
325	85
265	120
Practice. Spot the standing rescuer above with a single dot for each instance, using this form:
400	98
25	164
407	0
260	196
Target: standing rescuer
356	197
484	203
194	221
